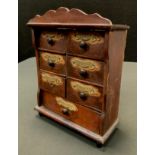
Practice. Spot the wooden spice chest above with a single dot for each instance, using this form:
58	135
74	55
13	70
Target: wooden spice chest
79	62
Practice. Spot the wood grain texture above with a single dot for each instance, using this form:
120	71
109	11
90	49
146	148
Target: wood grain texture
79	70
115	61
86	70
53	62
80	116
93	50
53	41
65	16
73	18
98	138
91	100
53	83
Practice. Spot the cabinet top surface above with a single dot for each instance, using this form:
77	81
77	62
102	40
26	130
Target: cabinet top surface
63	17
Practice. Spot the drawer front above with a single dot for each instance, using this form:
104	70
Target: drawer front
85	69
85	94
53	41
53	62
87	44
52	83
76	113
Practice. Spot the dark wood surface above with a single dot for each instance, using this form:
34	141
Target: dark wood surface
119	12
44	111
95	75
117	42
94	50
80	116
50	85
47	63
81	66
35	128
63	17
71	17
90	101
47	41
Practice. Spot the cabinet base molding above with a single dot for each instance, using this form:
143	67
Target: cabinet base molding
98	138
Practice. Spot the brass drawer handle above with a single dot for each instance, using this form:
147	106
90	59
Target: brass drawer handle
83	73
83	45
65	111
83	96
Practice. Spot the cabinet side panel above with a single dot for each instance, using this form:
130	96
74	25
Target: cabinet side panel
117	43
37	62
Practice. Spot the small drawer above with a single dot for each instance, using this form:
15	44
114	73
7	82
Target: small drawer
85	94
87	44
76	113
53	62
52	83
53	41
85	69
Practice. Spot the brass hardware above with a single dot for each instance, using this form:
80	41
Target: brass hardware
87	38
52	80
86	89
66	104
54	58
54	36
85	64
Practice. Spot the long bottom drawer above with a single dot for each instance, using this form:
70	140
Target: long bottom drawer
76	113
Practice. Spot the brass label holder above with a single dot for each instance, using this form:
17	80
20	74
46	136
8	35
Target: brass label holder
52	80
87	89
57	59
88	38
53	35
66	104
85	64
